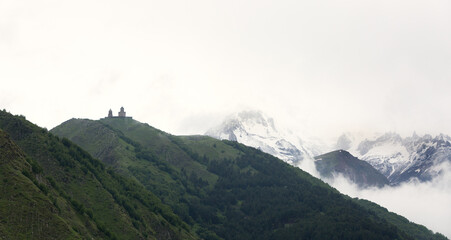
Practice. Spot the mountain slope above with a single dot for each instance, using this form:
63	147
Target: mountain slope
151	157
26	211
253	128
106	204
358	171
401	159
226	190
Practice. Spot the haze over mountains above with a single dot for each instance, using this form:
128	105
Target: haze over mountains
401	159
255	129
357	171
153	185
326	67
411	165
398	159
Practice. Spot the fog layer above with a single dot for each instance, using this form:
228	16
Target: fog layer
426	203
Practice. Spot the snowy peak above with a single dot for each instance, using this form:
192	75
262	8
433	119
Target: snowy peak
244	125
255	129
427	156
400	159
256	119
390	139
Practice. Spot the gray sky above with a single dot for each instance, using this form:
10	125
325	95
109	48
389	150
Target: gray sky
326	66
323	66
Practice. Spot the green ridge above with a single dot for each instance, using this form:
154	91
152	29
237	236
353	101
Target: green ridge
226	190
26	211
106	205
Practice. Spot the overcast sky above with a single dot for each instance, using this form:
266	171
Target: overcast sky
324	66
328	66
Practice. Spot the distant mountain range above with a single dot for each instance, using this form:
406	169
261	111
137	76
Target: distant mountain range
148	184
398	159
255	129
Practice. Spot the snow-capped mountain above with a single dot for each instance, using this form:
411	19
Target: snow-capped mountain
255	129
400	159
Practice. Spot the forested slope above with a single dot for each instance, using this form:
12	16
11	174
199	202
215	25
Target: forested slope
95	201
226	190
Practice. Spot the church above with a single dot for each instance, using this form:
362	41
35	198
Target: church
121	114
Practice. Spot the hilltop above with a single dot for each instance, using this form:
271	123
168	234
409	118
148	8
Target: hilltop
61	191
226	190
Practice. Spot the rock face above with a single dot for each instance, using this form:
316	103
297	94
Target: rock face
401	159
255	129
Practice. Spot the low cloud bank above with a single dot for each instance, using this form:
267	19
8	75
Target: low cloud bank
427	203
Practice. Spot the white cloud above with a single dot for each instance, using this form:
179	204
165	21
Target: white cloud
426	203
325	66
329	66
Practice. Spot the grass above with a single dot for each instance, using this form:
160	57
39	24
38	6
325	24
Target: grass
24	208
94	201
224	189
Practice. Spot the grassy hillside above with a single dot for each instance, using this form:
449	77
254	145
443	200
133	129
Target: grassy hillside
106	204
342	162
26	208
226	190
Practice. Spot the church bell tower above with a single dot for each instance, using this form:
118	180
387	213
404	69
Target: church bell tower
122	112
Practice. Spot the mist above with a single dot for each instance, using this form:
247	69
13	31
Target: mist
324	66
320	67
425	203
